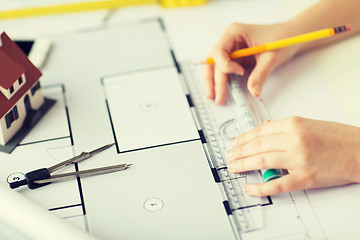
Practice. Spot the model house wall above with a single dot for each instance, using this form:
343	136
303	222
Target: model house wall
36	100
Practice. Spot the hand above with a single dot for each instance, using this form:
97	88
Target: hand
315	153
237	36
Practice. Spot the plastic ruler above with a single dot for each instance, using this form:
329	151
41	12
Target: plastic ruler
219	126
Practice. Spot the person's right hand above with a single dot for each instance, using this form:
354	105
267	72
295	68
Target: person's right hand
237	36
315	153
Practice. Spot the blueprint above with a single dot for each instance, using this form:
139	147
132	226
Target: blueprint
140	104
131	84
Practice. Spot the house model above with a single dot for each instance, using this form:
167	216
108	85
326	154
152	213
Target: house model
20	92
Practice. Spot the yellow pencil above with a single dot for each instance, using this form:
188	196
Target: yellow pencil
284	43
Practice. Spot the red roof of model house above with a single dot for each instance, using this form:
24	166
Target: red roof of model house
13	63
10	71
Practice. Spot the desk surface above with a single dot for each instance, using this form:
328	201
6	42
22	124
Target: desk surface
334	65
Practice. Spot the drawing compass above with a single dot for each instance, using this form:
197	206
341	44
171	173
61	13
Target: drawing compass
43	176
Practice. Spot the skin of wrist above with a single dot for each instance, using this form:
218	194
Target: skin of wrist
356	157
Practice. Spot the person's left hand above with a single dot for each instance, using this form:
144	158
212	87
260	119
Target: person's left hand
315	153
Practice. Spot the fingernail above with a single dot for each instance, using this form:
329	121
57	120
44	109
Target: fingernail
231	166
218	101
248	189
256	90
229	155
241	73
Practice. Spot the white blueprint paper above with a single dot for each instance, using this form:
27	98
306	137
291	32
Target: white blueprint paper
91	65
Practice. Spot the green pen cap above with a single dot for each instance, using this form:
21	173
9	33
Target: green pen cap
271	174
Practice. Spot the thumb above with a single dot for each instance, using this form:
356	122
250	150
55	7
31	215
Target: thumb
266	121
258	76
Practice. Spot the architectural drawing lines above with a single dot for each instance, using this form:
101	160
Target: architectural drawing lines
45	140
311	206
133	71
80	190
160	145
63	207
112	126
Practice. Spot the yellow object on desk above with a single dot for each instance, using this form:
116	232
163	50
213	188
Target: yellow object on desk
181	3
91	6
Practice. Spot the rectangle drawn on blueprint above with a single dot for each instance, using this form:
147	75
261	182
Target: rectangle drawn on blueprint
154	101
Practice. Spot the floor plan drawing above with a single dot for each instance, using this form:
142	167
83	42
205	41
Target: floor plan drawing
119	89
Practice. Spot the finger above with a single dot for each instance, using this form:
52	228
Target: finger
283	184
209	81
266	121
268	160
230	40
263	130
220	86
225	64
267	143
263	68
251	135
